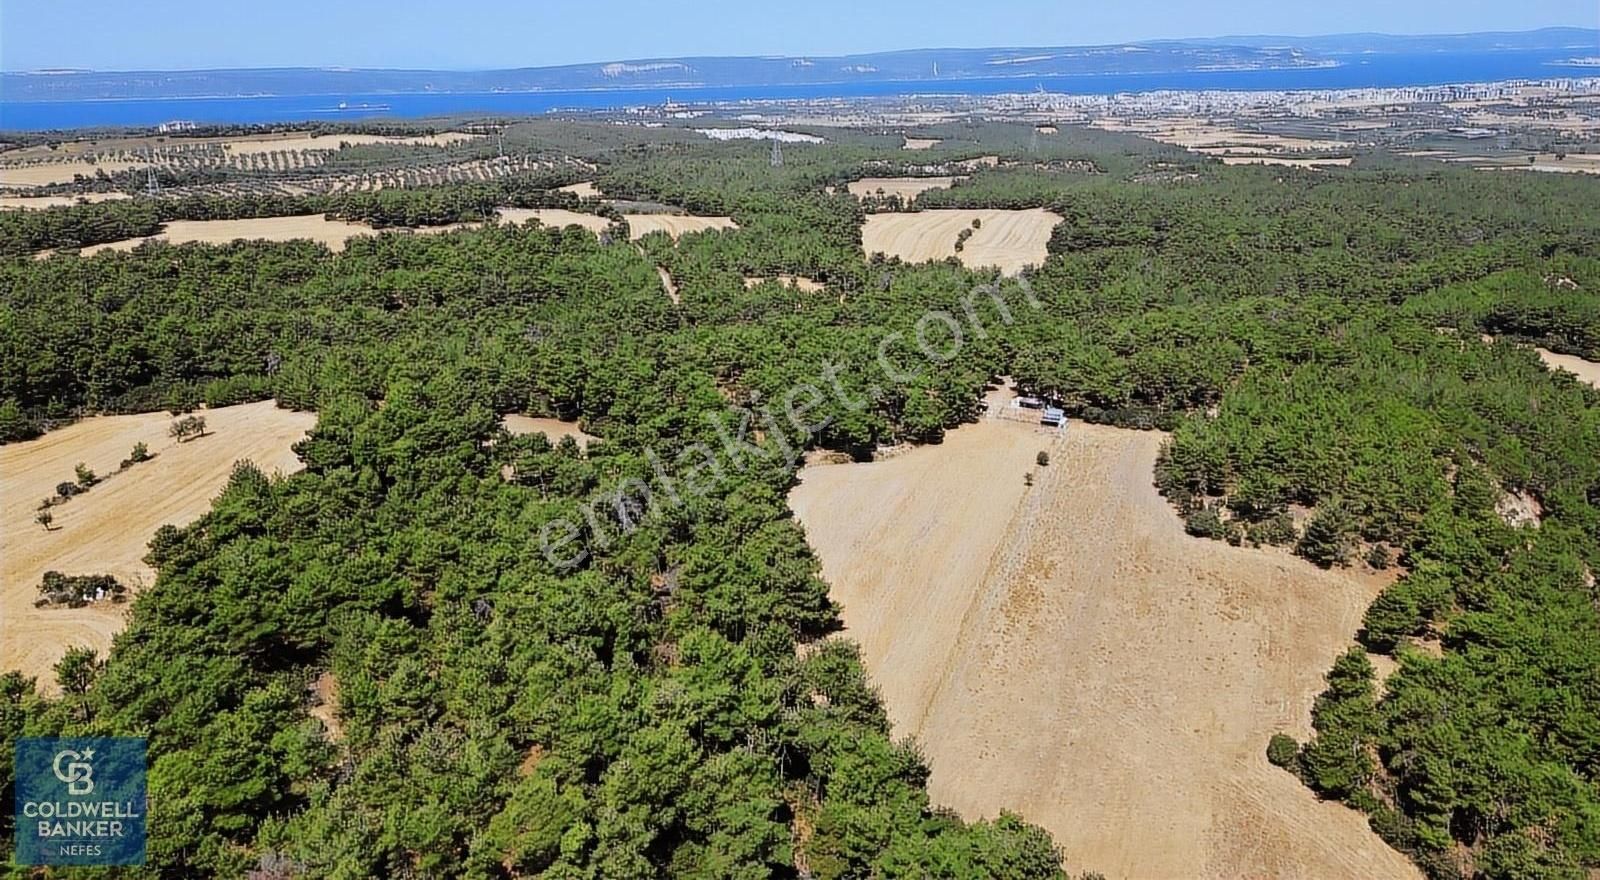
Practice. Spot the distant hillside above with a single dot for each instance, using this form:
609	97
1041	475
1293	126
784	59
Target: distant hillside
917	65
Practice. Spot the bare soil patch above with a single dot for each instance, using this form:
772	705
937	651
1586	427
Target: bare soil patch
799	282
316	227
1586	371
106	530
1007	239
584	190
640	225
1066	651
34	203
921	143
1285	160
46	173
557	217
553	429
907	188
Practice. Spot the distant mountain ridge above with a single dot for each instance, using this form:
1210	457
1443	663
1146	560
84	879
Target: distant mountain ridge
912	65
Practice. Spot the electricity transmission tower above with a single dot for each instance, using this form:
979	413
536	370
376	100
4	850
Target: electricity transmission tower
777	153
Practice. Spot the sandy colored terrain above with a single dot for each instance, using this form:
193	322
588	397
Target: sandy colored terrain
584	190
674	225
1284	160
921	143
1190	133
1587	371
59	172
330	142
33	203
106	530
557	217
333	233
1008	239
796	281
554	429
907	188
1066	651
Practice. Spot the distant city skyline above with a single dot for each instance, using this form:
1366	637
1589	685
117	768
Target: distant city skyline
479	34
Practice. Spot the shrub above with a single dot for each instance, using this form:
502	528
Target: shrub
1042	459
79	589
15	424
140	452
1277	531
187	428
1378	557
1283	751
1328	536
86	477
66	490
1204	522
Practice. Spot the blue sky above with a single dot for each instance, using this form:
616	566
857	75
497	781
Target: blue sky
475	34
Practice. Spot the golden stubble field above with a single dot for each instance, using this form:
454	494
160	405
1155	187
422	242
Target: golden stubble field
335	234
907	188
106	530
1007	239
675	225
1067	652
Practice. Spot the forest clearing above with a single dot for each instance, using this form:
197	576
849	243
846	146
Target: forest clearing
907	188
46	173
335	234
1586	371
584	190
799	282
675	225
553	429
105	529
1007	239
1065	650
557	217
1285	160
315	227
35	203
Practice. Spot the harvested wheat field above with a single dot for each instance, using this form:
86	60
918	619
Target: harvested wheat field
907	188
1007	239
553	429
1284	160
330	142
45	173
316	227
1067	652
1586	371
584	190
921	143
34	203
105	530
799	282
557	217
674	225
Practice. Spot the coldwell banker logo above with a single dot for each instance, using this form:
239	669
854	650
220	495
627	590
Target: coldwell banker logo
80	801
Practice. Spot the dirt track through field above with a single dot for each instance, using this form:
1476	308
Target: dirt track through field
106	530
1066	651
1007	239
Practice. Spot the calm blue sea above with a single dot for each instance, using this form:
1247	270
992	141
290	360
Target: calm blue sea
1371	72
